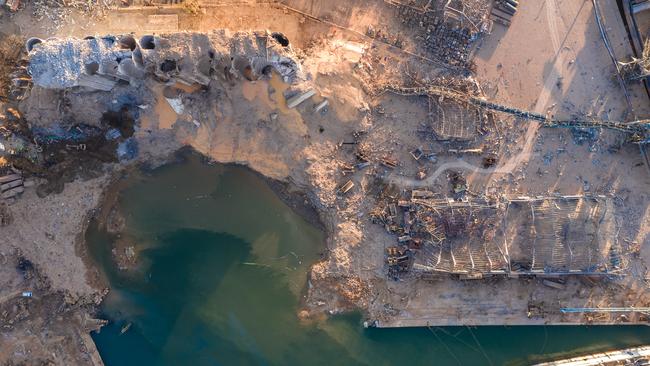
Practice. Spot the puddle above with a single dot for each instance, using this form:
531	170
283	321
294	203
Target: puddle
279	87
260	90
162	114
223	265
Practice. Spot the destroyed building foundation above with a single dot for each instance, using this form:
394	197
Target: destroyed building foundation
98	63
545	237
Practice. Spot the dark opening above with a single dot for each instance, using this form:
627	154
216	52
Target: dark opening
211	54
147	42
127	42
248	73
489	161
31	43
168	65
281	38
88	38
121	120
109	40
267	70
92	68
24	265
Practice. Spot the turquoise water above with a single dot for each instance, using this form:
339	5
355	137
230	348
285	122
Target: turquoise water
222	268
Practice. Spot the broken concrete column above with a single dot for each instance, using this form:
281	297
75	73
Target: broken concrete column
295	101
128	42
128	69
148	42
29	45
138	60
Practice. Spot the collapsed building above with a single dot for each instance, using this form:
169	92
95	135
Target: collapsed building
99	63
546	237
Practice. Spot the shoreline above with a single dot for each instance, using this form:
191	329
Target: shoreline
296	199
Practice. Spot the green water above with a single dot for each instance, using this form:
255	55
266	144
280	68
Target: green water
223	265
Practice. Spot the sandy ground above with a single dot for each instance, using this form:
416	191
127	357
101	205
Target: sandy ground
548	60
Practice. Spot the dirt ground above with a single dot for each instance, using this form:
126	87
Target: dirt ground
550	60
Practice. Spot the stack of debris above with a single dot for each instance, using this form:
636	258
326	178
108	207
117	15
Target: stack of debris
21	82
441	39
637	68
503	11
99	63
12	5
445	31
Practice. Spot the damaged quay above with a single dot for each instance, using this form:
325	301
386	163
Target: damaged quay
200	182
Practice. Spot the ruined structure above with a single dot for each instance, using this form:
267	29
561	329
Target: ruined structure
443	202
98	63
519	236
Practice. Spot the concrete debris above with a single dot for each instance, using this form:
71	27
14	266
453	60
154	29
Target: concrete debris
320	106
99	62
13	5
113	134
9	178
346	187
127	150
173	97
444	236
13	192
445	31
298	99
96	82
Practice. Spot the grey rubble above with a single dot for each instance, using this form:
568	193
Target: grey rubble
190	57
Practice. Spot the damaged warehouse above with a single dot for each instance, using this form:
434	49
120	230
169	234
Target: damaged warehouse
542	237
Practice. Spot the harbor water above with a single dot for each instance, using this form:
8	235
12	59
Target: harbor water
222	267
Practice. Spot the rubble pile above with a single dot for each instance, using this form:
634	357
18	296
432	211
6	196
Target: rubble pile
546	236
101	63
445	32
55	14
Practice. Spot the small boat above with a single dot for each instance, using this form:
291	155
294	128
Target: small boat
126	327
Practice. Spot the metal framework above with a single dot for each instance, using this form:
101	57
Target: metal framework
544	236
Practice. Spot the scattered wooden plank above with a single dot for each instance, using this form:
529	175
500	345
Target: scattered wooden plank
13	192
9	178
8	186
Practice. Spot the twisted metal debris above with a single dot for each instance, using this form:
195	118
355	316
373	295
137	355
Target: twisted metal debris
639	129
